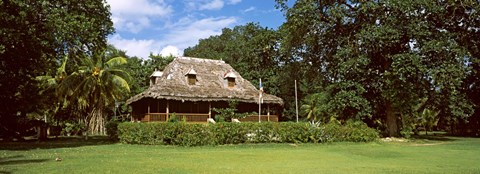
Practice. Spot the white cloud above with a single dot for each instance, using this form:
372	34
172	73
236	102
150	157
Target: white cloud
212	5
136	15
183	34
134	47
208	4
170	51
234	1
248	10
188	31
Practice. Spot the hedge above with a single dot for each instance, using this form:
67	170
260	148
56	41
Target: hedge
183	134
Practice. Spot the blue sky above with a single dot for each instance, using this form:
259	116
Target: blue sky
169	26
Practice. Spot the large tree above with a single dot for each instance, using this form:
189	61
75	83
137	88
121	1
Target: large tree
381	58
34	36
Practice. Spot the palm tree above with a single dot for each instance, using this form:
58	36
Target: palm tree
424	115
316	107
49	85
95	86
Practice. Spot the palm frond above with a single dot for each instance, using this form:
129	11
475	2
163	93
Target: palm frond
120	73
116	61
121	83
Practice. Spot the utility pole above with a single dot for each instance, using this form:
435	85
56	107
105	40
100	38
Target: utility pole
296	103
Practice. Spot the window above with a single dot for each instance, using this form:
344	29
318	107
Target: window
230	78
153	80
231	82
192	78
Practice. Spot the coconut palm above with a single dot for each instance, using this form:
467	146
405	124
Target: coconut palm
95	86
316	107
424	115
49	85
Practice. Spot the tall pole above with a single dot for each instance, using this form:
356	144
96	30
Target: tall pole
296	103
259	108
260	95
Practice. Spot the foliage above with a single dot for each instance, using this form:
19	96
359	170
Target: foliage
173	118
428	119
73	128
235	133
112	129
34	37
421	116
227	114
224	114
380	57
316	108
140	69
95	87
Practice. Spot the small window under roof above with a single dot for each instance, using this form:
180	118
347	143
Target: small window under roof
155	77
231	82
230	77
191	76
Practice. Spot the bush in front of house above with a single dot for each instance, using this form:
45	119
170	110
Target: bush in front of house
112	130
183	134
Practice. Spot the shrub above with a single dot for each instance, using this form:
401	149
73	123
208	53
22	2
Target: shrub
73	129
173	118
112	130
353	131
183	134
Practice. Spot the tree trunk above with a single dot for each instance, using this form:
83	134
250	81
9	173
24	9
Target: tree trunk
392	124
96	122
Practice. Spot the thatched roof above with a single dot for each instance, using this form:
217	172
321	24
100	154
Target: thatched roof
211	83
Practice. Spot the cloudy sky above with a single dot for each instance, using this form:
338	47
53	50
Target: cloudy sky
169	26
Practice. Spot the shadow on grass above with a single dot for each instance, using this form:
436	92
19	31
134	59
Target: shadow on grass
14	160
433	137
52	143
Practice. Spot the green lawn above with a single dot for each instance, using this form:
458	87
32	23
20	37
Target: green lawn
442	155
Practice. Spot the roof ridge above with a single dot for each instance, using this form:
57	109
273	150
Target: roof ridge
199	59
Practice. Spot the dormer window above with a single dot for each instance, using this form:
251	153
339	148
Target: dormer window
155	77
191	77
230	78
231	82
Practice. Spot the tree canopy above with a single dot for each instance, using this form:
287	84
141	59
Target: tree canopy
371	60
380	58
34	36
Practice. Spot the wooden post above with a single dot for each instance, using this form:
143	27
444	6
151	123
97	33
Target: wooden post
268	113
209	110
167	111
148	111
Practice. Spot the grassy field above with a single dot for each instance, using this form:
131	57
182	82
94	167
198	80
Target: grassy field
432	155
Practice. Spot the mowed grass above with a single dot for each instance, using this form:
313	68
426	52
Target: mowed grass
438	155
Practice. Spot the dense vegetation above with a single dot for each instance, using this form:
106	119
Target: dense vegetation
398	66
34	37
238	133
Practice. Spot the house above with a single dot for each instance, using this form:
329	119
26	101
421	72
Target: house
191	87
